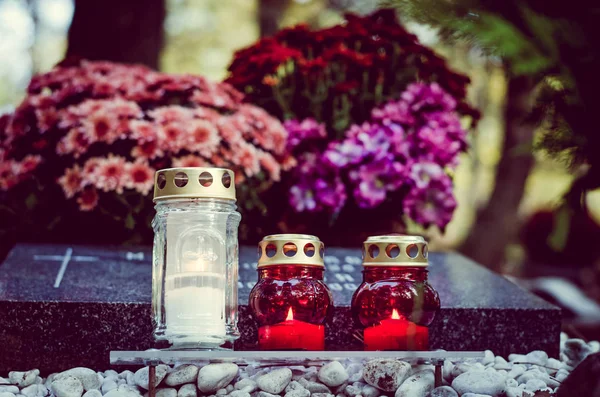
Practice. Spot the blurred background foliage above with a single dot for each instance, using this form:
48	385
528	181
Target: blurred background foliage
187	36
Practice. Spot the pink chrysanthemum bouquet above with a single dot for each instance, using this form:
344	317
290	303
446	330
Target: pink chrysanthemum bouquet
91	134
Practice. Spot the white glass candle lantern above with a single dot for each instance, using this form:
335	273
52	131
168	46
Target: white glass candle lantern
195	257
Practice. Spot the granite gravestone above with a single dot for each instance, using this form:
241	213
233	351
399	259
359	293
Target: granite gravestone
62	307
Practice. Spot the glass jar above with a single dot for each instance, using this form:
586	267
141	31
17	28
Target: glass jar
395	303
195	258
290	301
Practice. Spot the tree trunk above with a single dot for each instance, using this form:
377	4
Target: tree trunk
497	225
118	30
269	15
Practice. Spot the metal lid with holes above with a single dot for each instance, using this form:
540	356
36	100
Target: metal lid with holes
395	250
290	249
194	182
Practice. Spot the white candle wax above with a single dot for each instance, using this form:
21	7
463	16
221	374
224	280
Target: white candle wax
195	307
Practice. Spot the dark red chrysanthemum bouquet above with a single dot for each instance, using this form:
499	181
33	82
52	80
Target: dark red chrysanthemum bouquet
373	118
89	136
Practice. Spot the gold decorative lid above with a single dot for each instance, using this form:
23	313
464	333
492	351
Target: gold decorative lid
395	250
290	249
194	182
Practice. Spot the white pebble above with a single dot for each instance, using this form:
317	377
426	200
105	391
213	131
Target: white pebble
166	392
265	394
9	389
124	391
239	393
461	368
229	388
594	346
553	364
352	391
537	357
108	385
475	395
370	391
417	385
247	384
221	392
293	385
181	375
516	357
500	363
561	375
213	377
35	390
23	379
92	393
488	357
443	391
477	367
510	382
294	393
142	375
275	381
314	387
538	368
332	374
532	374
67	386
354	369
386	375
535	385
131	379
125	374
447	369
479	382
49	380
516	371
6	394
514	392
89	378
187	391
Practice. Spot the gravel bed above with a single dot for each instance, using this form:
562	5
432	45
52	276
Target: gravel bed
518	375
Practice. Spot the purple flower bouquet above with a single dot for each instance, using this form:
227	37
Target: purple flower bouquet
403	154
375	129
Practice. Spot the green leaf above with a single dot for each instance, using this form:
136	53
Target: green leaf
31	201
129	222
562	223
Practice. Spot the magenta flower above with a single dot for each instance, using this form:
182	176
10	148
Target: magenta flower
303	131
433	205
318	187
408	146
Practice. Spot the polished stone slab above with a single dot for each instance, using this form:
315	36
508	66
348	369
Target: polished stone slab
62	306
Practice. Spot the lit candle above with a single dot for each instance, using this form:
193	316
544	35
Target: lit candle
195	258
195	303
396	333
292	335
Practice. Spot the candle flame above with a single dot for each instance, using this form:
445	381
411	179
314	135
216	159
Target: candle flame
290	315
395	315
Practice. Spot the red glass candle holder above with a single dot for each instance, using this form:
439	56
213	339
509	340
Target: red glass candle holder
290	301
395	304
